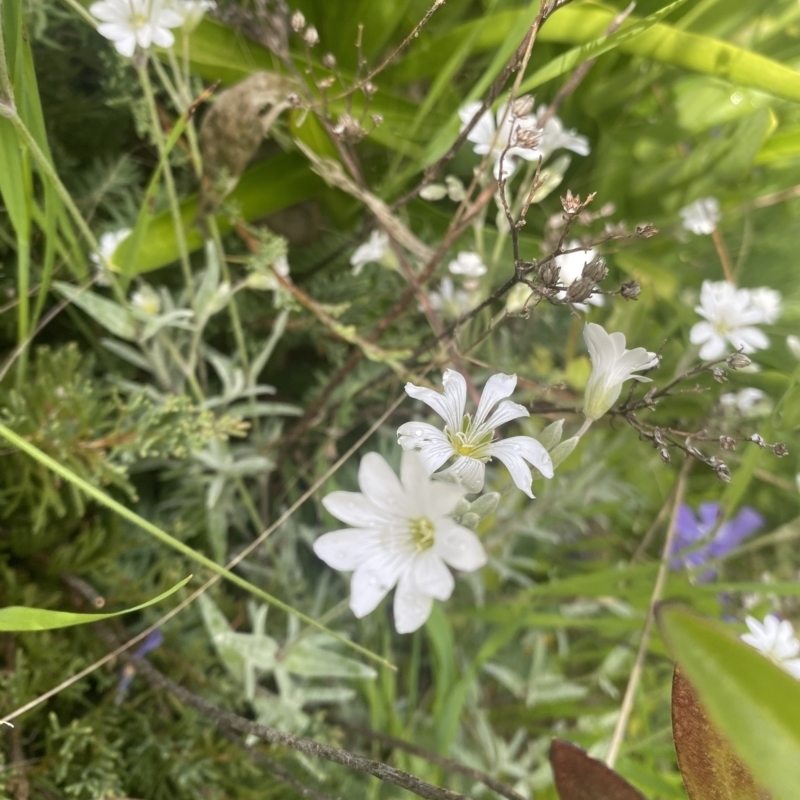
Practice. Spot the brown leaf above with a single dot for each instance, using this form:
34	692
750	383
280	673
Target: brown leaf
578	776
710	768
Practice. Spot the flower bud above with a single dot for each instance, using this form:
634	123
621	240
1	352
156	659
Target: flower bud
522	106
738	361
665	456
329	61
719	375
756	439
723	473
780	450
298	21
311	37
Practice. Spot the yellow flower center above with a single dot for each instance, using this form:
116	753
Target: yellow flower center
422	533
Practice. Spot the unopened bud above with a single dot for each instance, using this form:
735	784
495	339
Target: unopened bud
658	439
630	290
370	88
719	375
756	439
646	231
327	82
665	456
522	106
727	442
377	119
723	473
298	21
329	61
738	361
595	270
549	273
580	291
780	450
311	37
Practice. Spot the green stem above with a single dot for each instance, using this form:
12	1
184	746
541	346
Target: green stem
48	170
162	536
169	181
184	94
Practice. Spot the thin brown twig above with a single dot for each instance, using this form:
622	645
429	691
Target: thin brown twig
449	764
658	591
231	721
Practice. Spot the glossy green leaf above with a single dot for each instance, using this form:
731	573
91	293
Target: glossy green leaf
269	186
21	618
587	22
752	701
710	768
578	776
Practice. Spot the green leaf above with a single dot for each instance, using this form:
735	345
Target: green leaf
751	700
21	618
112	316
309	661
269	186
710	768
578	776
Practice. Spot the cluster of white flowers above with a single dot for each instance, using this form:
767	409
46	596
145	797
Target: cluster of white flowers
514	137
702	216
128	23
776	639
731	316
403	533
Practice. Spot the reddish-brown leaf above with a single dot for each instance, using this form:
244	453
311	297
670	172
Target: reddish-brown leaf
710	768
578	776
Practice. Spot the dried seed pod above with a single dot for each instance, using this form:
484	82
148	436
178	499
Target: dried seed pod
595	270
738	361
580	290
727	442
630	290
233	129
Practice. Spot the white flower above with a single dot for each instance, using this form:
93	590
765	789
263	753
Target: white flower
402	535
451	302
470	441
146	300
730	318
489	139
767	302
374	249
452	188
571	266
556	137
130	22
190	11
701	216
109	242
281	266
468	264
744	400
612	365
776	640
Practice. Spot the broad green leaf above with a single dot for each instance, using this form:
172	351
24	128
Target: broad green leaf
710	768
587	22
20	618
111	315
753	702
269	186
578	776
309	661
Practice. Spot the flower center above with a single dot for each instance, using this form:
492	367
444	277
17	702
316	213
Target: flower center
422	532
469	441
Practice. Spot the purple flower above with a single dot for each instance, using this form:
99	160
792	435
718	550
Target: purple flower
151	642
691	529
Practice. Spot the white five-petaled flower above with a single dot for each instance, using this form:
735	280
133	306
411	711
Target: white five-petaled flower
730	318
130	22
744	400
374	249
402	534
776	640
493	134
702	216
470	441
450	301
612	365
467	264
571	266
